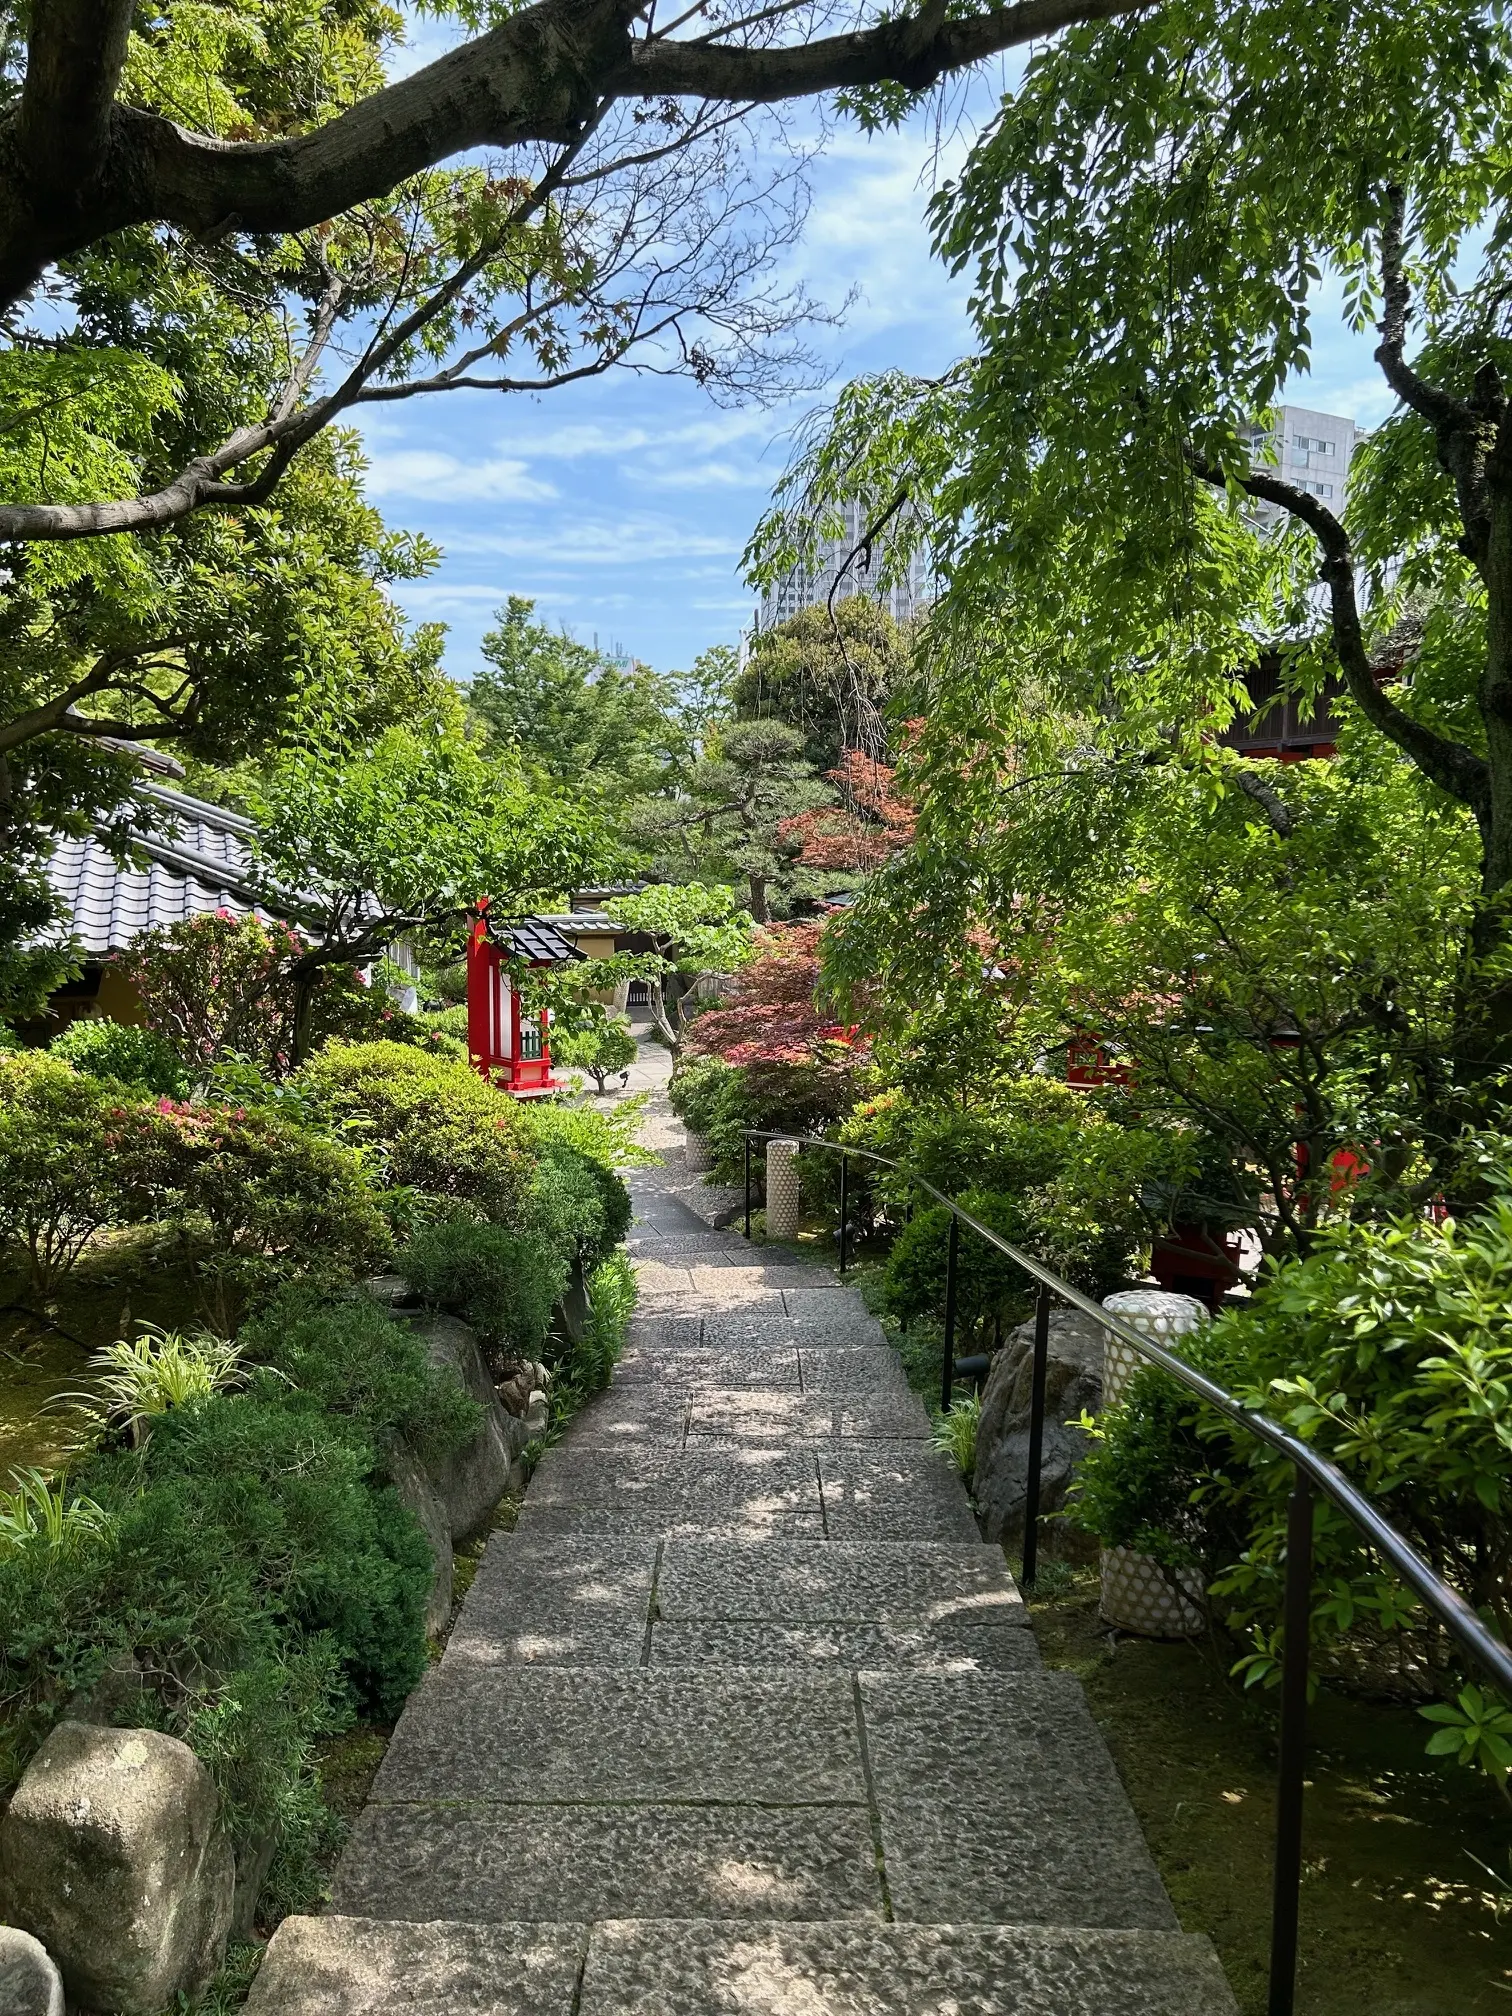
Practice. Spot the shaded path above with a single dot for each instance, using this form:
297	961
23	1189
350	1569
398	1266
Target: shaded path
743	1718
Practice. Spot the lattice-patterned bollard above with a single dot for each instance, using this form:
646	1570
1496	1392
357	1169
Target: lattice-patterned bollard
1138	1594
700	1158
782	1190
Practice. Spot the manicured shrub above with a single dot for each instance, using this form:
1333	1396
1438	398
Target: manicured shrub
991	1289
427	1123
578	1206
61	1178
504	1283
354	1365
712	1100
130	1056
605	1134
250	1197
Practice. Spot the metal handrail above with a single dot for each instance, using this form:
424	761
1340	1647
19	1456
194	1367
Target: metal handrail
1310	1471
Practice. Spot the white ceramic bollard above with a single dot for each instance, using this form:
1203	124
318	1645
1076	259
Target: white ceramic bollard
782	1190
1138	1594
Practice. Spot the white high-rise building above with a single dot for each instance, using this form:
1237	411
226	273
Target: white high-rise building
805	586
1310	450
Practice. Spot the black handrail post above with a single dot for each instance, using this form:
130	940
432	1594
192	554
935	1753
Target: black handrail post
1036	1436
1296	1645
844	1209
947	1370
748	1185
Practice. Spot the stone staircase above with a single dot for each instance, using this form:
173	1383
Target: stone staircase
744	1719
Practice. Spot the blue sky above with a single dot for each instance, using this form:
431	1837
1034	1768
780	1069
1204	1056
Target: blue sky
622	505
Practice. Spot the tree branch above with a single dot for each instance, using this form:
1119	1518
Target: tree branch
1276	811
1453	767
538	76
1464	430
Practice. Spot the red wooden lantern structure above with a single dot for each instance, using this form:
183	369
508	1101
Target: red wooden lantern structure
510	1048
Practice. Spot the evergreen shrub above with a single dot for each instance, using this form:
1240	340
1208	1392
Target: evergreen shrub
129	1056
428	1123
504	1283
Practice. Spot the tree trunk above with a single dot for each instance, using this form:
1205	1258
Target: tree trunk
759	899
1483	1035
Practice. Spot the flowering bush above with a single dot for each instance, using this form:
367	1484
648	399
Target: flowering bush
219	987
249	1197
216	985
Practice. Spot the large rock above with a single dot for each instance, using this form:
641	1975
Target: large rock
112	1855
419	1495
1073	1383
30	1985
472	1479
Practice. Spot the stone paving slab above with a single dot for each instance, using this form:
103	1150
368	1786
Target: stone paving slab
555	1603
697	1969
483	1862
854	1331
762	1368
635	1416
665	1333
336	1966
723	1480
527	1735
888	1416
944	1648
735	1522
837	1582
1001	1790
858	1368
891	1491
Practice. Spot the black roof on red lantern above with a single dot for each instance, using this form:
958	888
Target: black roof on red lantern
534	940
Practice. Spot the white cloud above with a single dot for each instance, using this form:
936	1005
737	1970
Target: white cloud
433	474
620	542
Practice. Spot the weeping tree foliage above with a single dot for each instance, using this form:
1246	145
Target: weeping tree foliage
1147	225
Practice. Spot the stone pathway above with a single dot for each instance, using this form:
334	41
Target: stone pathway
743	1718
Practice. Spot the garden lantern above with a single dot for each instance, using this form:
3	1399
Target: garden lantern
509	1046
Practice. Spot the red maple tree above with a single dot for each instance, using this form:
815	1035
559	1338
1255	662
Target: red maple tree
871	823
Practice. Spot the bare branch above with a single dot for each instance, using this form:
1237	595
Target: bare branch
1253	785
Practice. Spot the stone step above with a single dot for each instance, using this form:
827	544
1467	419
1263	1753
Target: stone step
344	1966
618	1602
841	1490
523	1792
733	1368
644	1416
669	1329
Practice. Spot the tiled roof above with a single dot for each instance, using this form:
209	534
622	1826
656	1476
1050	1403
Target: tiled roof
200	863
